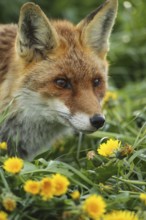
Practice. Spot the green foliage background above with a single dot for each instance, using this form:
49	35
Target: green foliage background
128	41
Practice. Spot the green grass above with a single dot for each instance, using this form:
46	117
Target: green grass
119	179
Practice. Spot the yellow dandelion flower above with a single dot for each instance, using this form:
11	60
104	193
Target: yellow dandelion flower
47	188
13	165
9	203
32	187
108	148
121	215
3	146
3	215
109	96
94	206
61	184
75	195
143	197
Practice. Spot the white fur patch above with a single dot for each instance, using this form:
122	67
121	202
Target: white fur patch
81	122
33	105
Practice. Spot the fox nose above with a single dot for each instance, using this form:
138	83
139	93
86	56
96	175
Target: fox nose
97	121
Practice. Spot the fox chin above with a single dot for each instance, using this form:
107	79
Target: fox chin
53	74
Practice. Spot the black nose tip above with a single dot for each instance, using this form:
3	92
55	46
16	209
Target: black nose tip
97	121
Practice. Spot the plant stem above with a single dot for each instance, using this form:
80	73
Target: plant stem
131	181
79	145
101	134
4	180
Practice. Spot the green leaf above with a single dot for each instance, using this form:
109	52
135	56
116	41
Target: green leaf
106	171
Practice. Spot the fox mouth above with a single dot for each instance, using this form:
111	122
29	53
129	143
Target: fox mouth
79	126
86	131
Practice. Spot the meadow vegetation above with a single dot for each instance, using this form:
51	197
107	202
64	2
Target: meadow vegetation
101	176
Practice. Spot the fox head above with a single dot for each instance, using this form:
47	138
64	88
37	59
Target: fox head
64	67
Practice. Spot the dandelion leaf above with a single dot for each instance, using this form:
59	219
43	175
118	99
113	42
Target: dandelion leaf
106	171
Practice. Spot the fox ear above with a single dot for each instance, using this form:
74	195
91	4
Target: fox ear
36	36
97	26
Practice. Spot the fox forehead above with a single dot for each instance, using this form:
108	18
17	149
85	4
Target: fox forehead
67	30
75	54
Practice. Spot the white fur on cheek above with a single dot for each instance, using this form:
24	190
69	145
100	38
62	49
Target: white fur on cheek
34	106
81	121
59	109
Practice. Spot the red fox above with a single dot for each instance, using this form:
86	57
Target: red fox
53	74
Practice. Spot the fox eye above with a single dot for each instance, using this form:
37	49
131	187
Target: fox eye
96	82
63	83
